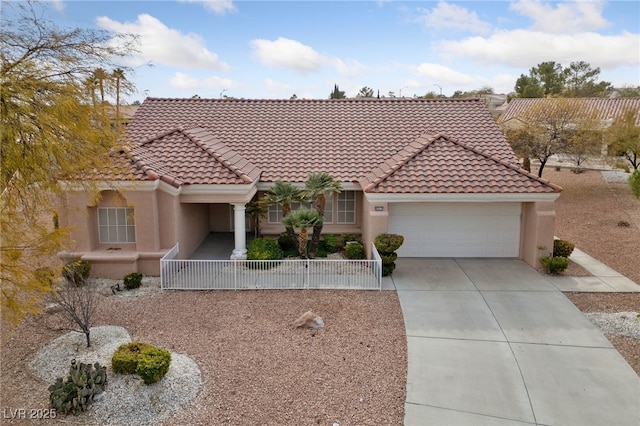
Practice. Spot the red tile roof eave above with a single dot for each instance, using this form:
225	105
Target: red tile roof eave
368	184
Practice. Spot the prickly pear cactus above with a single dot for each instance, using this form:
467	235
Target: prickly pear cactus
75	395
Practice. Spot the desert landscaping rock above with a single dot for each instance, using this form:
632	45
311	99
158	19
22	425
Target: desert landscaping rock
309	320
126	400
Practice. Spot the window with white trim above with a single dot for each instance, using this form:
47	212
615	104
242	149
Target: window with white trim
116	225
346	211
347	207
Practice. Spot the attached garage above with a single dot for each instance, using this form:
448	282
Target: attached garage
441	229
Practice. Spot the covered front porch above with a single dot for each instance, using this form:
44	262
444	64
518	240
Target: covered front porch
218	246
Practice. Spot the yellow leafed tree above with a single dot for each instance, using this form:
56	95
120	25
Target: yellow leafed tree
52	129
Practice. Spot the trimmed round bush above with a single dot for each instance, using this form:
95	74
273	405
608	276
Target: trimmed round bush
331	243
555	264
132	280
125	358
388	243
354	250
153	364
562	248
264	249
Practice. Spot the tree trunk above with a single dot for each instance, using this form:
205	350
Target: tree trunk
286	209
542	163
302	243
315	241
86	334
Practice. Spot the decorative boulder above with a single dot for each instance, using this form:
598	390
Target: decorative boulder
309	320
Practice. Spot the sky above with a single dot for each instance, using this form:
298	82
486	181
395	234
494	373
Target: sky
275	49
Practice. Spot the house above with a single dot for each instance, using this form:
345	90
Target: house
439	172
605	110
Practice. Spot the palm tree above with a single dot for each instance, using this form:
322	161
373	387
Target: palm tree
283	194
317	187
303	219
100	75
118	76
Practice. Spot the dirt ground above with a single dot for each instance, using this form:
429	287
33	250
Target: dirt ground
593	215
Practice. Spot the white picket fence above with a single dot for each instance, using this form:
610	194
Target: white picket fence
181	274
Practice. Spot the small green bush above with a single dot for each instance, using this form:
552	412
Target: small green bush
147	361
321	252
291	253
634	181
286	243
555	265
132	280
331	243
562	248
76	394
387	269
345	238
388	243
354	250
125	358
153	364
77	271
264	249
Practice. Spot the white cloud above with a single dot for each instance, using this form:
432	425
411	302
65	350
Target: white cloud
524	48
219	7
442	75
288	54
450	16
165	46
349	69
564	18
186	82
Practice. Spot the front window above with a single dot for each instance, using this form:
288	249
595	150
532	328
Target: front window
347	207
116	225
344	209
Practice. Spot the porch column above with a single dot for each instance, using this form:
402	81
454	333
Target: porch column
240	233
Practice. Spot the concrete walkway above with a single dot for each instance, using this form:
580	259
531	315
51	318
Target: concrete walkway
493	342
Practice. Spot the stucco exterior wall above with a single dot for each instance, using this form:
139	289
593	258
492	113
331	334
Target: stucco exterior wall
374	222
192	227
537	231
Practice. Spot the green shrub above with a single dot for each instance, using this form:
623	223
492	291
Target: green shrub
388	258
76	271
331	243
388	243
345	238
264	249
143	359
321	252
387	269
132	280
634	181
354	250
286	243
291	253
153	364
555	265
562	248
125	358
76	394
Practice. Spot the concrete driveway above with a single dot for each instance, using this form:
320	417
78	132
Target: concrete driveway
492	342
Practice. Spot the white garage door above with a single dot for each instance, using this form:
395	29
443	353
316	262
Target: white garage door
456	229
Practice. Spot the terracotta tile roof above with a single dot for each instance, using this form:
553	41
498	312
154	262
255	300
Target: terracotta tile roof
221	141
604	108
191	156
437	164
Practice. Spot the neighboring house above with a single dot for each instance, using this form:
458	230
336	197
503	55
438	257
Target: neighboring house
439	172
606	110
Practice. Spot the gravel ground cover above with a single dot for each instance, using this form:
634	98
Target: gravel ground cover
255	368
600	215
